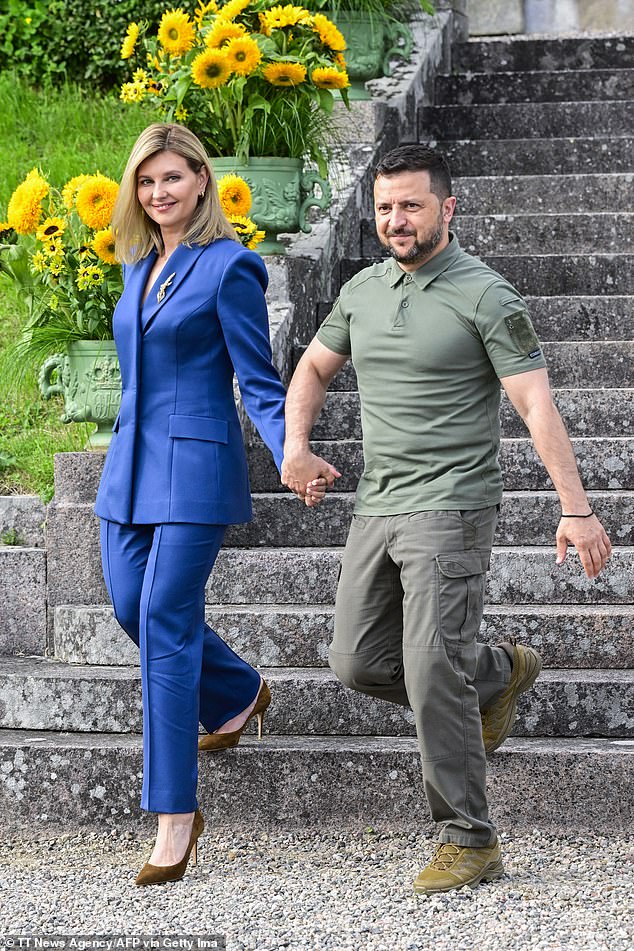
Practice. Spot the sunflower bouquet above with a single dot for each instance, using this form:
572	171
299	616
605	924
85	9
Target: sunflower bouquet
57	246
249	77
236	200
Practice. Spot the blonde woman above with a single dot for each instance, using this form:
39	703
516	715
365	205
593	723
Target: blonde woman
191	314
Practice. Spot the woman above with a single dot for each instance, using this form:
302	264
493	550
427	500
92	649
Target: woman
192	312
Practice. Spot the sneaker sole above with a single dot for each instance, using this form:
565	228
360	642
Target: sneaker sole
533	670
488	875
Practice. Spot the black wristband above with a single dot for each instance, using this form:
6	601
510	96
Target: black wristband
589	515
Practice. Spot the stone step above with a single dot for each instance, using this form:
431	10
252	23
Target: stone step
604	463
528	53
22	600
41	694
534	156
567	319
575	364
298	635
586	412
547	274
563	85
76	780
528	194
22	520
527	233
541	120
526	575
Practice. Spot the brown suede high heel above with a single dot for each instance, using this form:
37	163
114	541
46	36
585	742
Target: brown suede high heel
158	874
224	741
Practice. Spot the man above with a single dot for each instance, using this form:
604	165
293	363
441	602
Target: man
432	333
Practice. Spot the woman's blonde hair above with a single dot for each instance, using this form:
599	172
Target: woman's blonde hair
135	232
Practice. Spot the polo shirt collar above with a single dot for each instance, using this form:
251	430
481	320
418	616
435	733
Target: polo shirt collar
428	272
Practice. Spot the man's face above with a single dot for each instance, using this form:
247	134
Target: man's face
411	222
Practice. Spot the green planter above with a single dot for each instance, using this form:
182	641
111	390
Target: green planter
89	379
372	41
282	194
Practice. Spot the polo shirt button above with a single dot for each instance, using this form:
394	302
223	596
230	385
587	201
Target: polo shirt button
405	303
408	279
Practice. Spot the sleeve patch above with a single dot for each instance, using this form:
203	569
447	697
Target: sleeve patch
522	333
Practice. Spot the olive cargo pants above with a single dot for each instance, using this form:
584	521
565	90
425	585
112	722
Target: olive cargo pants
408	610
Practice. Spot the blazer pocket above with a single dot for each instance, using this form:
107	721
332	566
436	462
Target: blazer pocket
199	427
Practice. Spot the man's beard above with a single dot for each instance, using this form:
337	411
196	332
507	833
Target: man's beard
420	249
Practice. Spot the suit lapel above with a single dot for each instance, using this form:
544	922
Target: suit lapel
178	266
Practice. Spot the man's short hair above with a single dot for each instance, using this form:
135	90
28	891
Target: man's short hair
418	158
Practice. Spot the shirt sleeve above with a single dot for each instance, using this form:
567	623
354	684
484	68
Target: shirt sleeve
334	332
507	332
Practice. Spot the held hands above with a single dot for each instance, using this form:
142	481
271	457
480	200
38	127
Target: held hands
308	475
589	538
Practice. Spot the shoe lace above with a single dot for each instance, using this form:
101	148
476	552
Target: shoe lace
445	856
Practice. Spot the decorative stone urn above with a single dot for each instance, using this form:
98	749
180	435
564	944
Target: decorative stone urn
89	379
372	41
282	194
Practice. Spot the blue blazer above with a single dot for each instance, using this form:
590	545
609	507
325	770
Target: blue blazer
177	452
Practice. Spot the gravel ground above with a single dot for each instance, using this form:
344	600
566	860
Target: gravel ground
332	890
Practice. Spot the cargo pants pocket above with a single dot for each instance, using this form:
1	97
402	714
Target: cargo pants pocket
460	591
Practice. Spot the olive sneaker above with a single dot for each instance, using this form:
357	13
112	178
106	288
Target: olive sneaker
498	719
453	866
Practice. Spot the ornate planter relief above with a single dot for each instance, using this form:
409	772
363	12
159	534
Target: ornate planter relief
89	379
372	42
282	195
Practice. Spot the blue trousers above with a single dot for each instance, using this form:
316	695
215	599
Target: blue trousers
156	576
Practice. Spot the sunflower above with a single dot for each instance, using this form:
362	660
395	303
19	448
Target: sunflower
89	275
211	69
176	32
4	227
203	9
284	74
95	201
243	55
328	77
223	31
235	196
50	229
247	231
103	246
25	205
132	92
70	189
329	35
340	61
129	41
38	262
278	17
181	114
233	9
140	76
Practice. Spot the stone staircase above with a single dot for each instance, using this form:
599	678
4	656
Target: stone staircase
538	133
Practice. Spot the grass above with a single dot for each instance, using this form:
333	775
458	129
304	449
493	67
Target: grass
65	132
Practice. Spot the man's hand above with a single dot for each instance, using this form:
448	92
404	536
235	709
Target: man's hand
589	538
303	472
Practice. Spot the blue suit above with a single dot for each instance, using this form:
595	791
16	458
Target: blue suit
175	475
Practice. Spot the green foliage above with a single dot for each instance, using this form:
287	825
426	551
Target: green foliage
10	537
77	40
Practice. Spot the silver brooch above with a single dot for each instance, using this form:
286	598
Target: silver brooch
163	287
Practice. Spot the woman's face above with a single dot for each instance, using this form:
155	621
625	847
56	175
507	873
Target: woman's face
168	191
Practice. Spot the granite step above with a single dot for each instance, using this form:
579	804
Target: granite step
76	780
532	120
523	575
567	319
528	53
40	694
571	365
604	463
298	635
527	233
569	155
22	520
528	194
586	412
562	85
22	599
547	274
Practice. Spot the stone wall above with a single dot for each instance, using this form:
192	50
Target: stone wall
494	17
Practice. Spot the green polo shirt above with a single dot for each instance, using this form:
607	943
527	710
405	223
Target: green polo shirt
428	349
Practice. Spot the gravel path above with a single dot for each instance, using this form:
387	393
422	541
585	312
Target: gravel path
312	890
